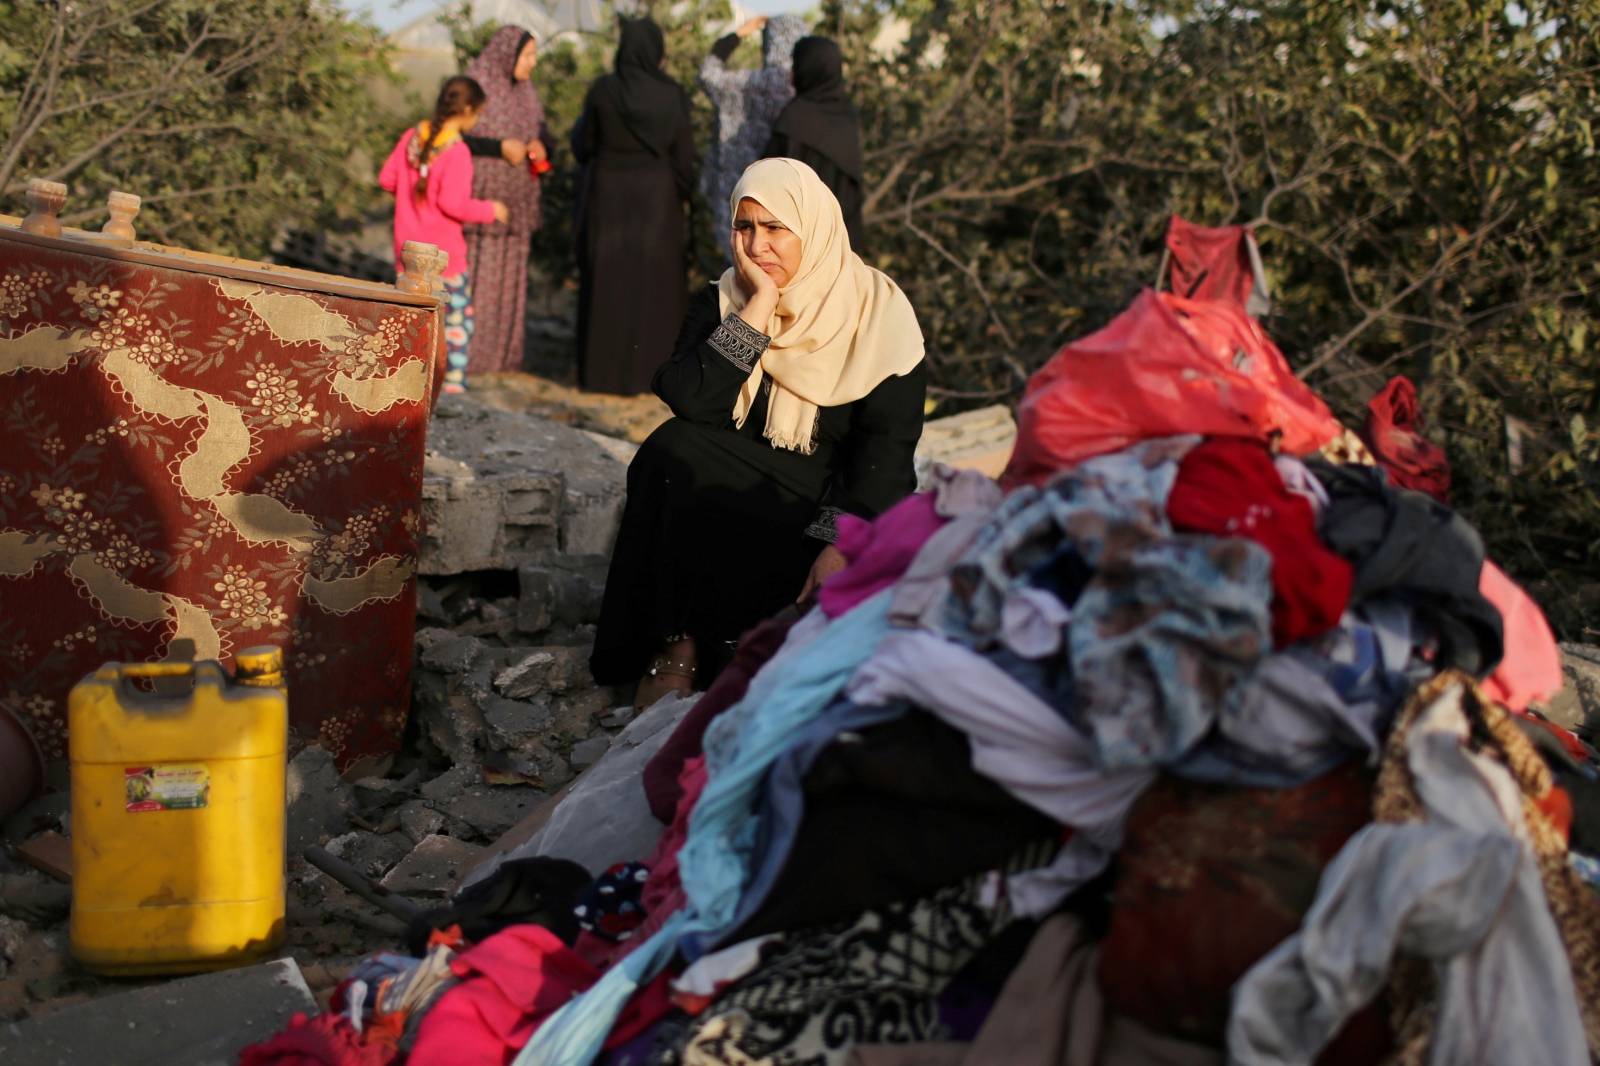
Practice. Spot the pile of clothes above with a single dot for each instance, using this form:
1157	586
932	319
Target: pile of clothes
1198	742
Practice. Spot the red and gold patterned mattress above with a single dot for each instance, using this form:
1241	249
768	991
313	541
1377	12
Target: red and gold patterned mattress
197	456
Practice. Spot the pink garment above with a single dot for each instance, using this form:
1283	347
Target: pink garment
879	551
1530	670
449	203
510	984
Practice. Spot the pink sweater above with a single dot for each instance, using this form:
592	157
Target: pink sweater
449	202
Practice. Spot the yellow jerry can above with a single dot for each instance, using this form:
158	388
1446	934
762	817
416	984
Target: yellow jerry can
178	814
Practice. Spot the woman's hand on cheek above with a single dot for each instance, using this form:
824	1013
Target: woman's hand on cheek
761	292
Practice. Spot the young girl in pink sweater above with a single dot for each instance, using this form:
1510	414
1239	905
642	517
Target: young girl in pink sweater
430	174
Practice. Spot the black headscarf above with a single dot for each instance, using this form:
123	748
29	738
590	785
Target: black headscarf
821	114
652	105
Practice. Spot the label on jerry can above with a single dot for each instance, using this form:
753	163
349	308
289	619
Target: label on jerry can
168	787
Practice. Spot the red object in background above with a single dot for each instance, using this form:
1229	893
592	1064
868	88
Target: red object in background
1165	366
1530	669
1394	433
198	463
539	167
1215	263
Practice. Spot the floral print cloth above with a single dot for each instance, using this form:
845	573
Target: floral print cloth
196	464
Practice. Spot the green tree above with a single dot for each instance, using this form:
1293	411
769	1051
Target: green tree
1422	178
231	119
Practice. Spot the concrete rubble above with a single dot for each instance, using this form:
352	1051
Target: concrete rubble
156	1025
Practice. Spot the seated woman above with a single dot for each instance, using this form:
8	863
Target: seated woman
797	386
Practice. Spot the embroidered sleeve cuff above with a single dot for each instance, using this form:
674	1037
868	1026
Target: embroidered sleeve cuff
739	342
825	527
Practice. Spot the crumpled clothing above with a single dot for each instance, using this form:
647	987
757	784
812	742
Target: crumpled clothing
1311	706
386	996
1088	508
323	1040
1032	623
1394	432
1460	889
1163	640
660	775
541	890
1051	1012
919	596
1229	487
1531	668
885	798
879	551
1017	740
875	978
712	973
509	984
740	745
1411	546
1298	479
781	812
611	907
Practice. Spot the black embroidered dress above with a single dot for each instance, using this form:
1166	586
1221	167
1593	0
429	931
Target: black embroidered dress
721	528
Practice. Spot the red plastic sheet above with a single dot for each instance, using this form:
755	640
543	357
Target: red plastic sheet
1530	670
1166	365
1209	263
1394	433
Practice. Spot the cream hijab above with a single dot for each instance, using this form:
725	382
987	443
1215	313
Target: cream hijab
841	327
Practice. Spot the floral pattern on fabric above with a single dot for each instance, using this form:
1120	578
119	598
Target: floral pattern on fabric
202	464
875	980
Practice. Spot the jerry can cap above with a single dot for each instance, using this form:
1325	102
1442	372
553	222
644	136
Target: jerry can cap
258	662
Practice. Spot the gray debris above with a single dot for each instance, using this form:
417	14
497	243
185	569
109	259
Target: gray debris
431	869
319	800
199	1021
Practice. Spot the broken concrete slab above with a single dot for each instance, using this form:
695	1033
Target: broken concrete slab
502	488
371	854
432	868
513	722
320	801
537	671
455	654
198	1021
375	795
487	811
450	784
604	818
419	820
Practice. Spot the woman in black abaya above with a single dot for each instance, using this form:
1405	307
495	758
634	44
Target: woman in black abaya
821	127
637	149
796	386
